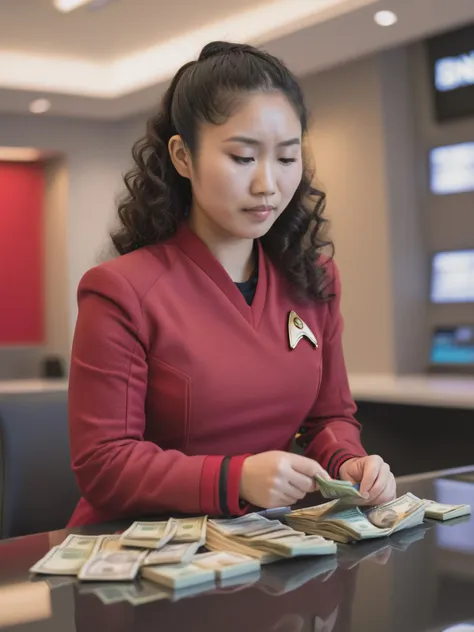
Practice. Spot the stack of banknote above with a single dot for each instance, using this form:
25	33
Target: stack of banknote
120	557
439	511
353	523
263	539
204	568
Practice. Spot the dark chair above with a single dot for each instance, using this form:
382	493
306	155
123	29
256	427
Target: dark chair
38	491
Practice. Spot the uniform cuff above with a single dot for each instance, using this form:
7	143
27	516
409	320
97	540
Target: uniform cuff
236	506
337	459
209	489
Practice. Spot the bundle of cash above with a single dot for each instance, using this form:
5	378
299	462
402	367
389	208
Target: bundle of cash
61	561
353	524
331	488
439	511
111	566
180	553
179	576
227	565
149	535
263	539
68	558
155	535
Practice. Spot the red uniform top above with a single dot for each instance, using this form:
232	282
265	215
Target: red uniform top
172	370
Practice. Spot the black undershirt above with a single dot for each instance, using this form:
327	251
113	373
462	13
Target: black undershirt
247	288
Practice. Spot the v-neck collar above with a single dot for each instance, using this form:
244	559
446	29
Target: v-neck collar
197	250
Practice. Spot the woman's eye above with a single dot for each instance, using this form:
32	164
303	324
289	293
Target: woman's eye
241	160
287	161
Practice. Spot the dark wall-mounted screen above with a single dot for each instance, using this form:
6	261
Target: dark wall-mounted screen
451	58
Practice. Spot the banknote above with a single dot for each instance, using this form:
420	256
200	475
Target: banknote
440	511
61	561
149	535
83	542
181	552
249	525
396	513
352	523
263	539
296	546
191	530
178	576
331	488
227	565
107	543
112	566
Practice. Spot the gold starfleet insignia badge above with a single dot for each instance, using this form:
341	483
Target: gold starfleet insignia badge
298	329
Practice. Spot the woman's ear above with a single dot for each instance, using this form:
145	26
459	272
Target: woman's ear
180	156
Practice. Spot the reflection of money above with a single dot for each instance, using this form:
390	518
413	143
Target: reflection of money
278	579
336	489
111	566
61	561
172	554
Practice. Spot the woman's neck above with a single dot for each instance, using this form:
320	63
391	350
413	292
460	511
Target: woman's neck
235	255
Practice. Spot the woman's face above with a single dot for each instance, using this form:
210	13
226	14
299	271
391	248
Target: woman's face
246	171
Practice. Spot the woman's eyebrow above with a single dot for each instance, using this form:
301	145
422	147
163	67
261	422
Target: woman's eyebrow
246	140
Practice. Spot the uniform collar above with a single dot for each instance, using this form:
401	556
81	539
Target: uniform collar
189	243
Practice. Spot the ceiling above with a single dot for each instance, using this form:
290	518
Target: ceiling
114	62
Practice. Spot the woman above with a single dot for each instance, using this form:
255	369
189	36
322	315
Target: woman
216	336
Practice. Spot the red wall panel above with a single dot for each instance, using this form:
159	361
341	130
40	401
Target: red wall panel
21	254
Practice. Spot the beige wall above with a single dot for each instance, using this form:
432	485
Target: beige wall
347	143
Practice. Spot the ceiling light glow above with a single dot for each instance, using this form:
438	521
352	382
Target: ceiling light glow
385	18
40	106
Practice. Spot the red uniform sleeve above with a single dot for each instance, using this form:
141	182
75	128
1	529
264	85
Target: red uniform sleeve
331	434
116	469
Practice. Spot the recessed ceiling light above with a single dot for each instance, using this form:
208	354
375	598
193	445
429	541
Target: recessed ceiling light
39	106
385	18
65	6
69	5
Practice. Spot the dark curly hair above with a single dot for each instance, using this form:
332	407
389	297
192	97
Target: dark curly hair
158	199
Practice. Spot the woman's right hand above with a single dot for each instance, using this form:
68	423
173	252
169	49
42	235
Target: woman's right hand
277	479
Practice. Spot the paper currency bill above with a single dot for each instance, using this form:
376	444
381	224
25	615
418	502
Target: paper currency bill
107	543
191	530
179	553
337	489
396	513
226	565
83	542
112	566
178	576
61	561
441	511
149	535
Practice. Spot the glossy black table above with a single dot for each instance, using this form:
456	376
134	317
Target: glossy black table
417	580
